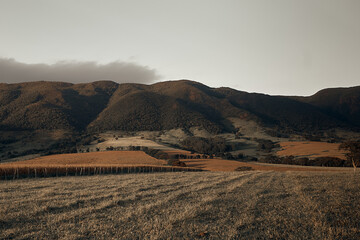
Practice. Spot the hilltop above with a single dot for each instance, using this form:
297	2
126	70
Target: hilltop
106	105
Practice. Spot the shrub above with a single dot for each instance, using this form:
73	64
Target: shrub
266	145
176	162
244	168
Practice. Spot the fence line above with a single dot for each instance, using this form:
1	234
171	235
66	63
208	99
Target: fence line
35	172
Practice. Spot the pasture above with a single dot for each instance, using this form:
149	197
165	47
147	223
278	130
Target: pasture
183	205
91	159
310	149
120	162
82	164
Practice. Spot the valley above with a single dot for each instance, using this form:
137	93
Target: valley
176	160
47	118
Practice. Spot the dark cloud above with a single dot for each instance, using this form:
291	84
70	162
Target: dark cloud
12	71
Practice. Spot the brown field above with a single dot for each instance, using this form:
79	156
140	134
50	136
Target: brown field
118	162
83	164
110	158
311	149
203	205
222	165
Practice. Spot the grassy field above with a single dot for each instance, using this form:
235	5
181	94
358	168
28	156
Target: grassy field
311	149
83	164
113	158
118	162
201	205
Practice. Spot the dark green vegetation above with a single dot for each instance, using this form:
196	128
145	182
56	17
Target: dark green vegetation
341	103
304	161
106	105
67	143
202	205
266	145
210	147
353	152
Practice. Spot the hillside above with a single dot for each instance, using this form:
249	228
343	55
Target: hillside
52	105
106	105
341	103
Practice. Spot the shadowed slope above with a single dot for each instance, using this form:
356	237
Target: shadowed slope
283	111
341	103
52	105
107	105
135	108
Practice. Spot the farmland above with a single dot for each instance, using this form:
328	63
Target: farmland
310	149
114	162
119	162
207	205
92	159
231	165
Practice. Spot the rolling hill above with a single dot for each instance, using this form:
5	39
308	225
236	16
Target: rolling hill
106	105
341	103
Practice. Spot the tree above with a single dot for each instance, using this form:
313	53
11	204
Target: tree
353	152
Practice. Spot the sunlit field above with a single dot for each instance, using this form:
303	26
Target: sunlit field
311	149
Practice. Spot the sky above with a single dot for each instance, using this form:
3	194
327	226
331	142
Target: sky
278	47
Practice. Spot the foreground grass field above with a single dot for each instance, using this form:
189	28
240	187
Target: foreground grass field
210	205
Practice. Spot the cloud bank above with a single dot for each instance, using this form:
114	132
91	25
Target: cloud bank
12	71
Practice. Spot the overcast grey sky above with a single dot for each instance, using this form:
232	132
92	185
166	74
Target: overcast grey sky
288	47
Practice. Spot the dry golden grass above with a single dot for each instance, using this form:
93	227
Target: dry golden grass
311	149
111	158
206	205
58	164
80	164
126	142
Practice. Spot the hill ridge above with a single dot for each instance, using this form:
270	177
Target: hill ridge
107	105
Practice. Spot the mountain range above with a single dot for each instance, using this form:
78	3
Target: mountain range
106	105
